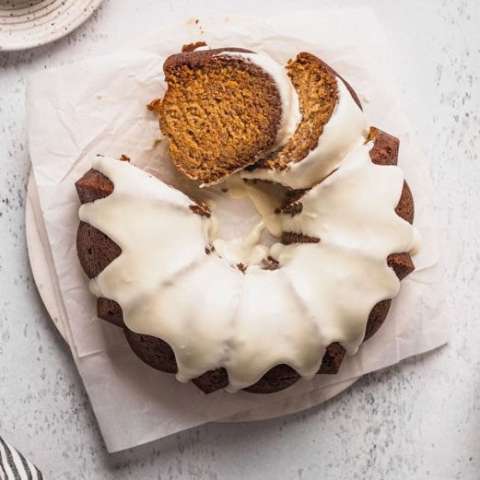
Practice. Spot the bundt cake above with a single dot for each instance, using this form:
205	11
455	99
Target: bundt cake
194	304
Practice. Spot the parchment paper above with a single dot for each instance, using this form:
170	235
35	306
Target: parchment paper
98	106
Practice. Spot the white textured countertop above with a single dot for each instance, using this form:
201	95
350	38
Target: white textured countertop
417	420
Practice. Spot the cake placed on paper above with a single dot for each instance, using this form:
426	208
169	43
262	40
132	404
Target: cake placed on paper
246	313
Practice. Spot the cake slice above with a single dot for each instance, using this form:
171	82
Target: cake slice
316	86
332	123
221	112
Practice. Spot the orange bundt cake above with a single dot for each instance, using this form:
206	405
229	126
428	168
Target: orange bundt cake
337	210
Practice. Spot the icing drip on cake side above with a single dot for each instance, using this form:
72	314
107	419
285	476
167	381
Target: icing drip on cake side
214	315
354	208
346	129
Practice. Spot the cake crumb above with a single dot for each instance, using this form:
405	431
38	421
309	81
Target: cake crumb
270	263
201	210
190	47
293	237
154	105
291	209
242	267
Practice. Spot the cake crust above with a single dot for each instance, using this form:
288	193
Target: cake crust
96	251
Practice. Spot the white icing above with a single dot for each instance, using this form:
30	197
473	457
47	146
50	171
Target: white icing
291	115
243	251
211	313
354	208
272	327
346	129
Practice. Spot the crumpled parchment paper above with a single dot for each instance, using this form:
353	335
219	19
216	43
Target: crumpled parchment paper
98	106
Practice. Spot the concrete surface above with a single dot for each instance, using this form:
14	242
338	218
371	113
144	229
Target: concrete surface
418	420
